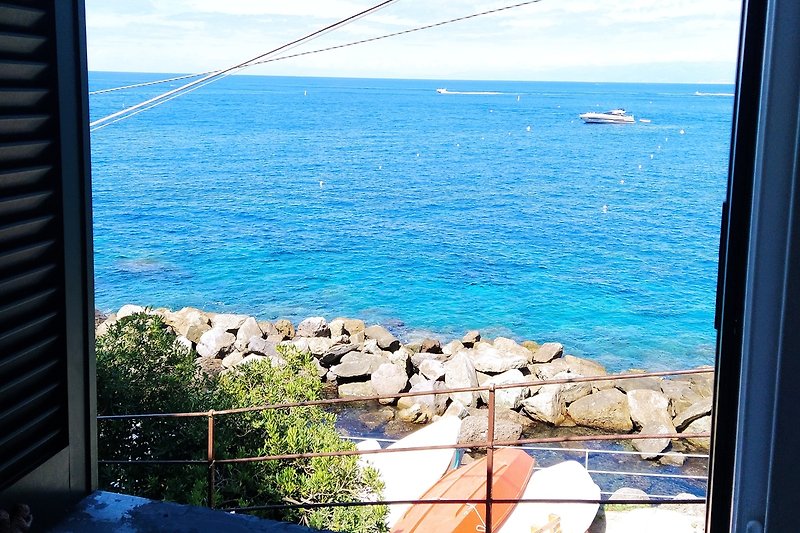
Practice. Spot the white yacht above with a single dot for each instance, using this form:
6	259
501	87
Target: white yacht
615	116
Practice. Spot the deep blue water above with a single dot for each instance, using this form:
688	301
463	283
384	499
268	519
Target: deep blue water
381	199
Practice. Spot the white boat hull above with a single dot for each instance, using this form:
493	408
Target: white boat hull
605	118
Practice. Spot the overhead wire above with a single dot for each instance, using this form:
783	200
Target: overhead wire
238	66
213	75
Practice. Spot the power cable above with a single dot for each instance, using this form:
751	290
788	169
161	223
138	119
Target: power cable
238	66
329	48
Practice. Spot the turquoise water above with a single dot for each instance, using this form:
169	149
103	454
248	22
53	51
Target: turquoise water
433	214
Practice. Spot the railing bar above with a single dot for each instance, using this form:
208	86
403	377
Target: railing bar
331	401
666	501
646	474
490	458
607	452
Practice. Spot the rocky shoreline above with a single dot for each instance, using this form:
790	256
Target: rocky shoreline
363	361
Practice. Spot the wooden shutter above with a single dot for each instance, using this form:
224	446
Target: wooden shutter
34	422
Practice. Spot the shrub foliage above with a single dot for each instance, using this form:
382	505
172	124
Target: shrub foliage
141	368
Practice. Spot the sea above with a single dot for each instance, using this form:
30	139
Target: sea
491	207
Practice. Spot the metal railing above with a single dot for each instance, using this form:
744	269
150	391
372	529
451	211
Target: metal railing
490	444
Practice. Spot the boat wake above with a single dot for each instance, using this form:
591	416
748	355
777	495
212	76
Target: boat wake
445	91
698	93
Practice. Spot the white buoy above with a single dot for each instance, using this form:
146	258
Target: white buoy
605	209
417	154
528	128
622	182
380	167
458	145
651	156
640	167
682	132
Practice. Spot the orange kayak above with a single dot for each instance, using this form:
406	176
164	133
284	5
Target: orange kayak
512	470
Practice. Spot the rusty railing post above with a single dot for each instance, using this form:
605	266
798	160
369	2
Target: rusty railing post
211	458
489	459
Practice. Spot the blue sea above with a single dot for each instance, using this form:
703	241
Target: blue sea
430	213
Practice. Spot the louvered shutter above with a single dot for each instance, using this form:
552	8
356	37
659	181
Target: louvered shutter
34	408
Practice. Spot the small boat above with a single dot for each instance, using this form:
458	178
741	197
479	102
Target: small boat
614	116
512	468
441	90
428	465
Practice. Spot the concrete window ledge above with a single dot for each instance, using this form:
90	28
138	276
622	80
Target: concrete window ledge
106	512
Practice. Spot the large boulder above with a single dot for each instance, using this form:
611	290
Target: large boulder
471	337
357	365
248	329
389	379
509	347
128	310
692	413
261	346
335	353
384	338
208	366
459	372
350	326
508	398
430	346
681	394
584	367
452	348
421	409
215	343
701	425
359	389
189	322
547	352
432	369
318	346
605	409
652	448
648	407
547	405
267	328
487	358
228	322
475	428
645	382
284	327
315	326
573	391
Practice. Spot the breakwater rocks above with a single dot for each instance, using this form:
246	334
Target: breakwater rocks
364	361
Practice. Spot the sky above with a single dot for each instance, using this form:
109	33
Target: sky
677	41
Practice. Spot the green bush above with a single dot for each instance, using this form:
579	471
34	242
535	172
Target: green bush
141	368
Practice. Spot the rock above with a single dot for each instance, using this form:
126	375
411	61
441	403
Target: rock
680	393
358	389
314	326
649	408
248	329
573	391
186	343
547	352
128	310
99	317
509	347
672	459
373	420
421	409
418	358
456	408
692	413
189	322
386	341
459	372
416	379
358	339
267	328
371	346
208	366
360	365
471	337
351	326
215	343
102	329
319	345
432	369
228	322
584	367
701	425
476	429
300	343
627	493
652	448
413	347
285	328
337	327
606	409
507	398
549	370
232	359
531	345
261	346
335	353
487	358
430	346
321	370
547	405
452	347
627	385
389	379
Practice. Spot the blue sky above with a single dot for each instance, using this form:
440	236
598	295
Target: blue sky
578	40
